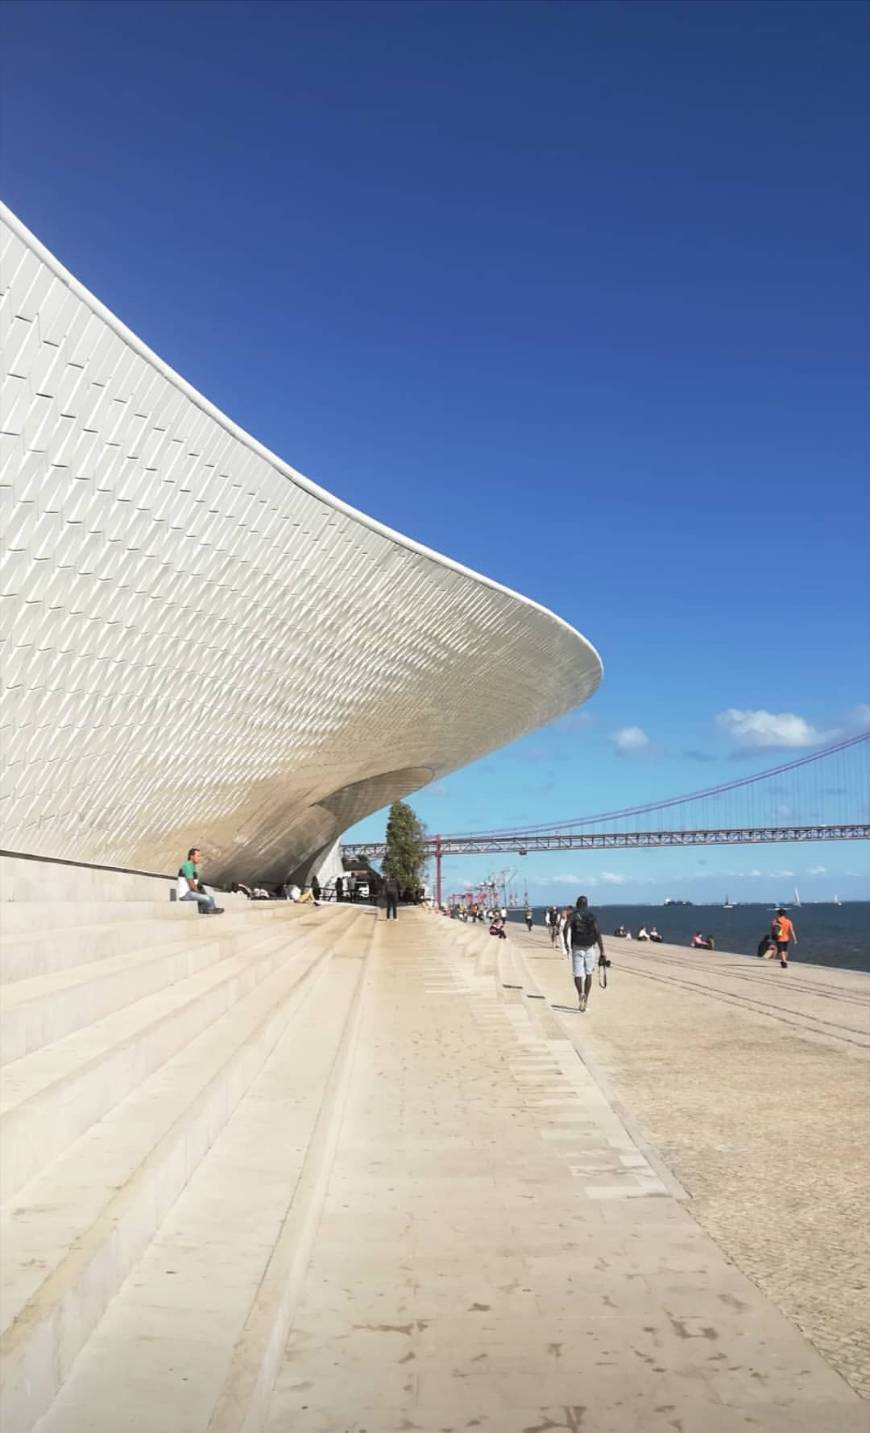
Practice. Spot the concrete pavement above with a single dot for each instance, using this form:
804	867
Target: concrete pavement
752	1083
497	1250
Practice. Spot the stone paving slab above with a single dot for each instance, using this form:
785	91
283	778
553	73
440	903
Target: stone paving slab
488	1259
765	1119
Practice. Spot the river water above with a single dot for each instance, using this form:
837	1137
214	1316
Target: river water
827	934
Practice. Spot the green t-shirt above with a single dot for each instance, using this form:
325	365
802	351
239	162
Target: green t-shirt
190	871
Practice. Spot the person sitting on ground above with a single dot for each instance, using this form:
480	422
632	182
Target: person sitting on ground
190	887
497	928
653	934
698	942
711	943
766	948
643	933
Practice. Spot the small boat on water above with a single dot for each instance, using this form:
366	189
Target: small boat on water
837	901
797	899
728	904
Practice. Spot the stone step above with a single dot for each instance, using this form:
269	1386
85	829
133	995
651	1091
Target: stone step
26	954
61	915
197	1348
41	1009
51	1097
74	1234
46	1008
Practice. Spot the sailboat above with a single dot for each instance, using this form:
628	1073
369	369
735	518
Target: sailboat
837	901
797	899
728	904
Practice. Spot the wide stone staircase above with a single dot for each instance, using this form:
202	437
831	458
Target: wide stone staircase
167	1089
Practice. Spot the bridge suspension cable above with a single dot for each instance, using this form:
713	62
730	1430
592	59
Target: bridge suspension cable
663	805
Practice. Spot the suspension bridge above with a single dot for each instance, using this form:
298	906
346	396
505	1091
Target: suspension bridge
823	795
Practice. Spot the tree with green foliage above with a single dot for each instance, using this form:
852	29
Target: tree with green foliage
404	856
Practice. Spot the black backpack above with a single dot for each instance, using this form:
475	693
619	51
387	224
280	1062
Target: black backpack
583	928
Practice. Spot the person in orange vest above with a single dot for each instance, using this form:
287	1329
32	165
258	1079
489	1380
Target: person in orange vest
783	932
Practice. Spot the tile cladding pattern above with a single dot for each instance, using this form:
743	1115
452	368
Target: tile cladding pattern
201	644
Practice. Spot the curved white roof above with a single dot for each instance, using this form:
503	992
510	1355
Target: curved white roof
204	645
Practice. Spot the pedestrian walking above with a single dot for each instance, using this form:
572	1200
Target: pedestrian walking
391	891
584	948
528	918
339	888
783	933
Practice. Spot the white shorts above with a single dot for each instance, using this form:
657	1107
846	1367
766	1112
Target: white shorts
583	962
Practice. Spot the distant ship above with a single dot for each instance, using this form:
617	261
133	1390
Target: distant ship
671	902
728	904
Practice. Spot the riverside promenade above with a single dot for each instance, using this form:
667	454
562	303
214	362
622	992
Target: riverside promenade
752	1083
500	1246
307	1170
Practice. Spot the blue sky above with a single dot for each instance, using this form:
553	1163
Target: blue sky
577	294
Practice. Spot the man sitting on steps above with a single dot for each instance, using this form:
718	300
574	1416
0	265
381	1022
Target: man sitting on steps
190	887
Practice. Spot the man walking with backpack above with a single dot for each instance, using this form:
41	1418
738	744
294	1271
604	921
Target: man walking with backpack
583	947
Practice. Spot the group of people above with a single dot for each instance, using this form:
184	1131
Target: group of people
191	887
642	934
475	912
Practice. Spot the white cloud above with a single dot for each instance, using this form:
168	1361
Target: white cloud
630	739
567	878
582	879
757	730
573	721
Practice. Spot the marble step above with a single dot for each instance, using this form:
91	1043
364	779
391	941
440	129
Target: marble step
61	915
46	1008
73	1235
51	1097
28	953
197	1348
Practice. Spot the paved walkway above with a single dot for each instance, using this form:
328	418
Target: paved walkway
752	1083
497	1252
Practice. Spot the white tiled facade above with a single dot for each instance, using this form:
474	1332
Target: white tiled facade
173	596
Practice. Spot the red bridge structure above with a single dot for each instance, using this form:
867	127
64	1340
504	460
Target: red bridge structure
821	796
